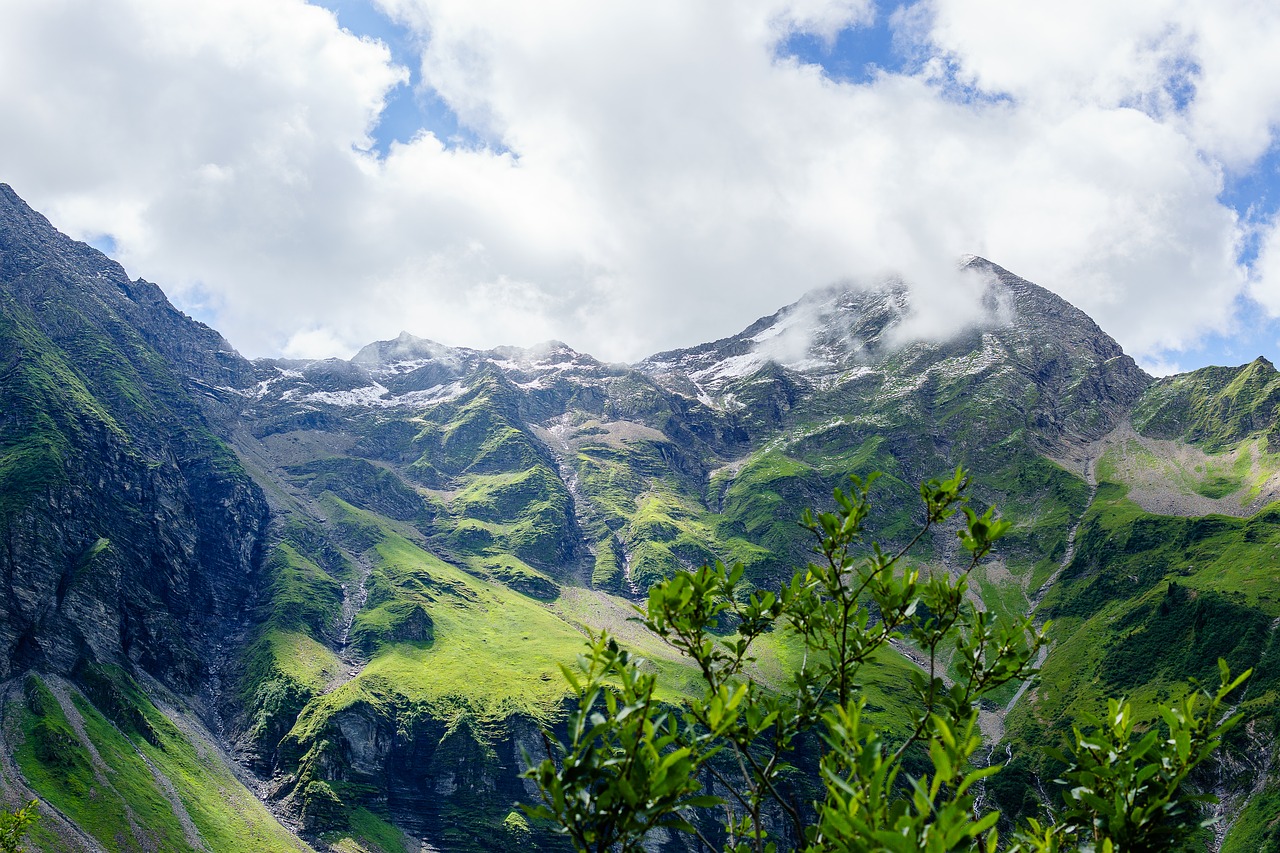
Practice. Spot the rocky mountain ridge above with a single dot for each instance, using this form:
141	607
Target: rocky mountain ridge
97	379
828	338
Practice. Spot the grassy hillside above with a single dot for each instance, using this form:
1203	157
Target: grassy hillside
128	774
1215	406
1147	603
448	675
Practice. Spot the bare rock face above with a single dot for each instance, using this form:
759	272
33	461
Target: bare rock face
130	533
1083	381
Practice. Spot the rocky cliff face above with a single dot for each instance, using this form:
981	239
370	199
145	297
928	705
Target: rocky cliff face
131	534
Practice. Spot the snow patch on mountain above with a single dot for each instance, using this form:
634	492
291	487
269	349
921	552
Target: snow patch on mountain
974	363
370	395
377	396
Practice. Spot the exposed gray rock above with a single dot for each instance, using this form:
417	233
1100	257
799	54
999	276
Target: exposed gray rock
131	535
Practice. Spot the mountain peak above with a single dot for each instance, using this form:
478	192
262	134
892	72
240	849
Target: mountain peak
28	240
841	337
42	264
1031	302
404	348
545	353
10	200
833	330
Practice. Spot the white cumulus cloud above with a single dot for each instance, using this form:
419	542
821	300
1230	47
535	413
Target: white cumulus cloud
651	174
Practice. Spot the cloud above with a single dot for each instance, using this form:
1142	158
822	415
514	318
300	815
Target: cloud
1207	67
1265	286
649	175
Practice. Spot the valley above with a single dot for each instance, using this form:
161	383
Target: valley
324	604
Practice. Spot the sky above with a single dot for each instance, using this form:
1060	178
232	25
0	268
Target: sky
630	177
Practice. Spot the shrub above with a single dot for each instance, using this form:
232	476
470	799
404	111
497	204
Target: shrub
632	764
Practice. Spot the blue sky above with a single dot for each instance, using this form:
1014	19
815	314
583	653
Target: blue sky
410	107
638	176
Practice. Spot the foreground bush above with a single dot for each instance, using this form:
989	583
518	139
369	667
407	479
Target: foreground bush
721	766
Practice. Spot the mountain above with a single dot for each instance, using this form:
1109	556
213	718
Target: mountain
1026	341
133	543
322	604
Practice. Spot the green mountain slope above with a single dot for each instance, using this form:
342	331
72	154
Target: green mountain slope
1214	407
563	484
1150	600
132	540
